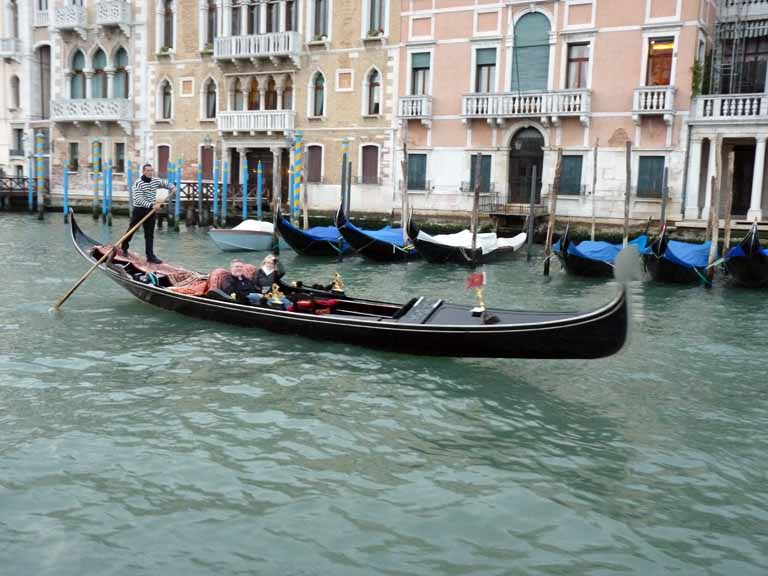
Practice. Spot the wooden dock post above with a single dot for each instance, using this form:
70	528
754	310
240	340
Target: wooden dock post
476	204
594	189
200	220
66	192
552	211
627	193
727	184
531	213
664	199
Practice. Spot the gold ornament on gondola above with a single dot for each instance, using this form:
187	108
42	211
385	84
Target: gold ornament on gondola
338	283
275	296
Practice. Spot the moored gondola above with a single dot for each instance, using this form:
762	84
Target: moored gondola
316	241
591	258
747	262
384	245
423	326
676	262
457	248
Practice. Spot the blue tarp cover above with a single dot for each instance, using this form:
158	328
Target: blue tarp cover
737	251
330	233
602	251
386	234
685	254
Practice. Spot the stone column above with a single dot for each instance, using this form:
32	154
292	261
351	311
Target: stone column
110	82
244	20
245	93
279	97
262	97
694	177
756	200
711	171
88	84
202	23
227	18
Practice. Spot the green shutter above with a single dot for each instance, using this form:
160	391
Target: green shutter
417	171
650	176
486	56
485	173
530	54
570	175
420	60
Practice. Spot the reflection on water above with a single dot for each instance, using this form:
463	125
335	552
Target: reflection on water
137	441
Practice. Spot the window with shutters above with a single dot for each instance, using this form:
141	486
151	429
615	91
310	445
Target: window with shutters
237	19
660	52
570	175
122	84
373	89
417	171
210	99
206	160
254	19
530	53
270	96
318	95
166	100
370	165
15	92
650	176
119	163
485	173
319	19
272	21
163	157
167	25
578	62
314	164
77	77
211	22
485	70
420	66
99	81
290	15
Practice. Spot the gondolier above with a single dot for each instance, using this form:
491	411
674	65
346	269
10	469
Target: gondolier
144	200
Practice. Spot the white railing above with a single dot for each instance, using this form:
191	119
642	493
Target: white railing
41	19
276	44
256	121
9	47
744	8
92	110
113	13
654	100
730	107
69	17
521	104
415	107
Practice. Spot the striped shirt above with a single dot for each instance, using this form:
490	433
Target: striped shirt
145	193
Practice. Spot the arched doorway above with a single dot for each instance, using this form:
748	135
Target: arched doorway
526	150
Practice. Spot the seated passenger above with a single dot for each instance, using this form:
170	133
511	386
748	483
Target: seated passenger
270	272
237	284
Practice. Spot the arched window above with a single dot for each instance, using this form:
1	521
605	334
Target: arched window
318	95
99	83
210	99
77	79
122	85
237	95
254	96
270	97
166	100
15	92
212	22
530	54
168	24
288	95
373	88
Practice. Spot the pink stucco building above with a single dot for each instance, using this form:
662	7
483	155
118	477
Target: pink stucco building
516	80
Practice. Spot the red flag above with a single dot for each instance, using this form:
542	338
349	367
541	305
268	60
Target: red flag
476	280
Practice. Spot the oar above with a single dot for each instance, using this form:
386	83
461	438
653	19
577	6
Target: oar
108	253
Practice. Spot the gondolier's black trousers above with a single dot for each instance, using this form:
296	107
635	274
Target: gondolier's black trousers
149	229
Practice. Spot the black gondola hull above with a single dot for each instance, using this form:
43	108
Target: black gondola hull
578	266
535	335
372	248
749	271
306	245
662	270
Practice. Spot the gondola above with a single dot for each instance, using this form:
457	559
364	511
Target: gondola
591	258
674	262
747	262
423	326
384	245
457	248
316	241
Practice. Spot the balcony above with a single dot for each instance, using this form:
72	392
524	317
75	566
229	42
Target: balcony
16	153
253	121
70	19
732	9
273	46
654	101
114	14
94	110
416	108
41	19
10	48
730	109
545	106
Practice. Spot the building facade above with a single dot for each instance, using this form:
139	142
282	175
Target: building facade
232	84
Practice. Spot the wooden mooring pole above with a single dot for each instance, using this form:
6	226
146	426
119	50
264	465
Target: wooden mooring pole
552	211
627	194
531	213
727	185
594	190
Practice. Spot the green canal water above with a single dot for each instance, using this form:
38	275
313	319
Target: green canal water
139	442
